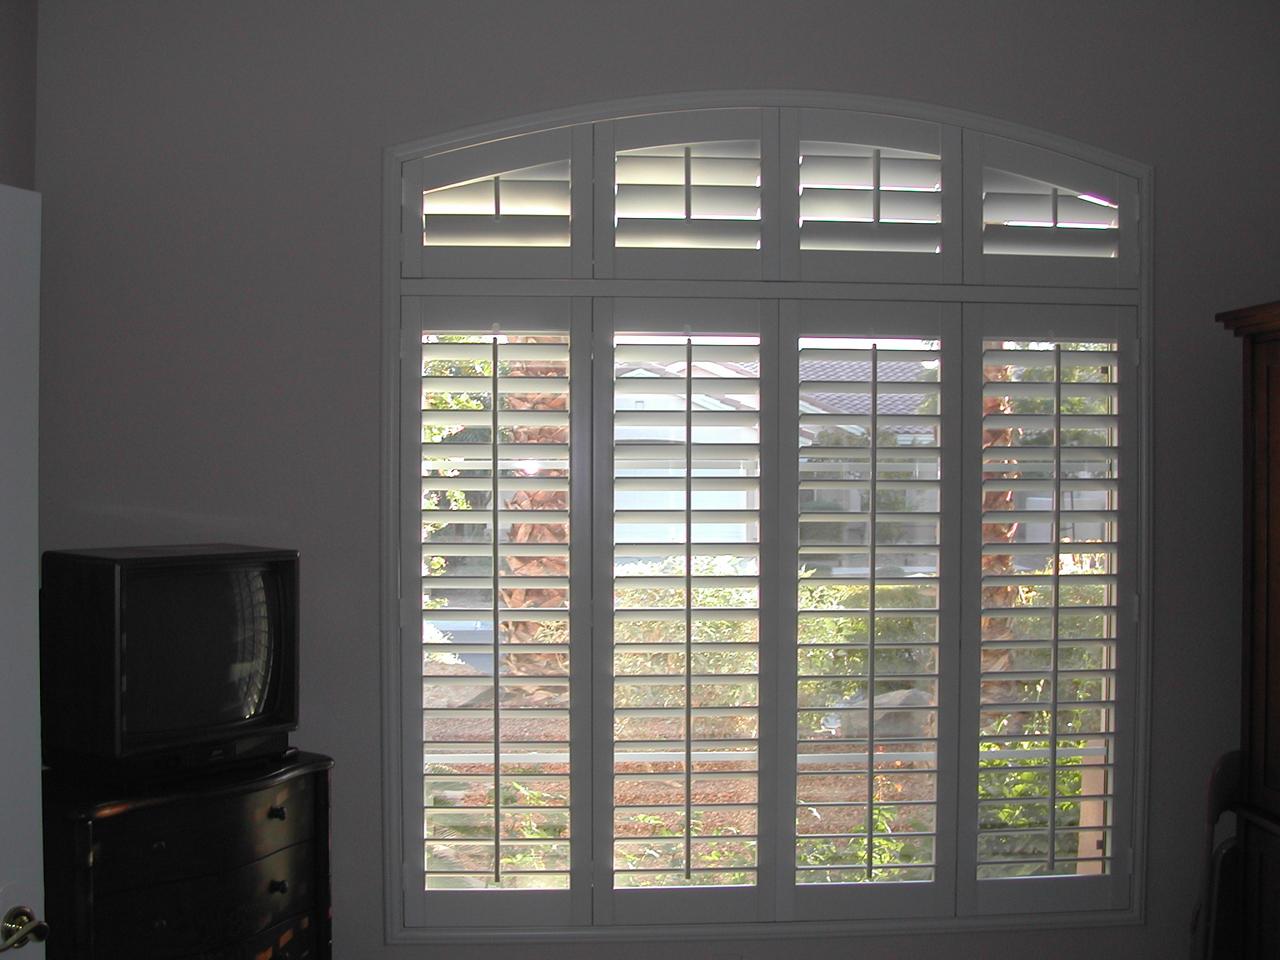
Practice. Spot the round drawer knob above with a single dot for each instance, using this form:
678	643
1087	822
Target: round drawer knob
278	886
277	813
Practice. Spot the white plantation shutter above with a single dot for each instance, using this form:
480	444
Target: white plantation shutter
1046	217
1051	641
1022	216
492	586
867	685
518	208
687	195
874	656
495	594
684	609
858	197
720	610
696	196
514	207
869	197
1049	552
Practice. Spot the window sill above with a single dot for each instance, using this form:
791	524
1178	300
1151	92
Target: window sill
768	930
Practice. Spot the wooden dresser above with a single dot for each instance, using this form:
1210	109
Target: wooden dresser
1258	810
225	865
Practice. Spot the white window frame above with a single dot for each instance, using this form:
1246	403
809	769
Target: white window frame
983	299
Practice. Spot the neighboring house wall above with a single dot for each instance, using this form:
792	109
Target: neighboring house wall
212	302
18	93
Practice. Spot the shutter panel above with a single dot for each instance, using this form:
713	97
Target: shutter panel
685	821
504	208
687	195
1022	216
519	208
492	588
867	632
695	196
874	645
1046	217
870	197
1048	621
1052	632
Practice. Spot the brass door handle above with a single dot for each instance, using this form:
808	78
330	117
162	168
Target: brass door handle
20	926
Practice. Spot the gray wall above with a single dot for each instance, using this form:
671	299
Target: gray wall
210	345
18	92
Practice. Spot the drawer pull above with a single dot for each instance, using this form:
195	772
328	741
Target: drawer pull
278	886
277	813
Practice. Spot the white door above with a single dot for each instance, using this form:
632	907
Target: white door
21	865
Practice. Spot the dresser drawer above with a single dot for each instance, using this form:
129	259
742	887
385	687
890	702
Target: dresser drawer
206	913
298	938
149	845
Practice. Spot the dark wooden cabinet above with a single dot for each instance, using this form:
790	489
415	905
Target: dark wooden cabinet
221	865
1259	809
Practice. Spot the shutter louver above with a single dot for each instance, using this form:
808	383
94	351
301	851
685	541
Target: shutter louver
495	599
528	207
1029	217
697	196
869	198
686	610
867	609
1049	609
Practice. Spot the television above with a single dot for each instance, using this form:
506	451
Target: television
167	657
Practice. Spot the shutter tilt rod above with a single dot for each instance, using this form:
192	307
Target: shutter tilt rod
497	626
688	593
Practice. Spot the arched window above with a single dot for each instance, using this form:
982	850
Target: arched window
765	533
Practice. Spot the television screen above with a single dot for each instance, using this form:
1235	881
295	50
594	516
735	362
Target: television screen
197	647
